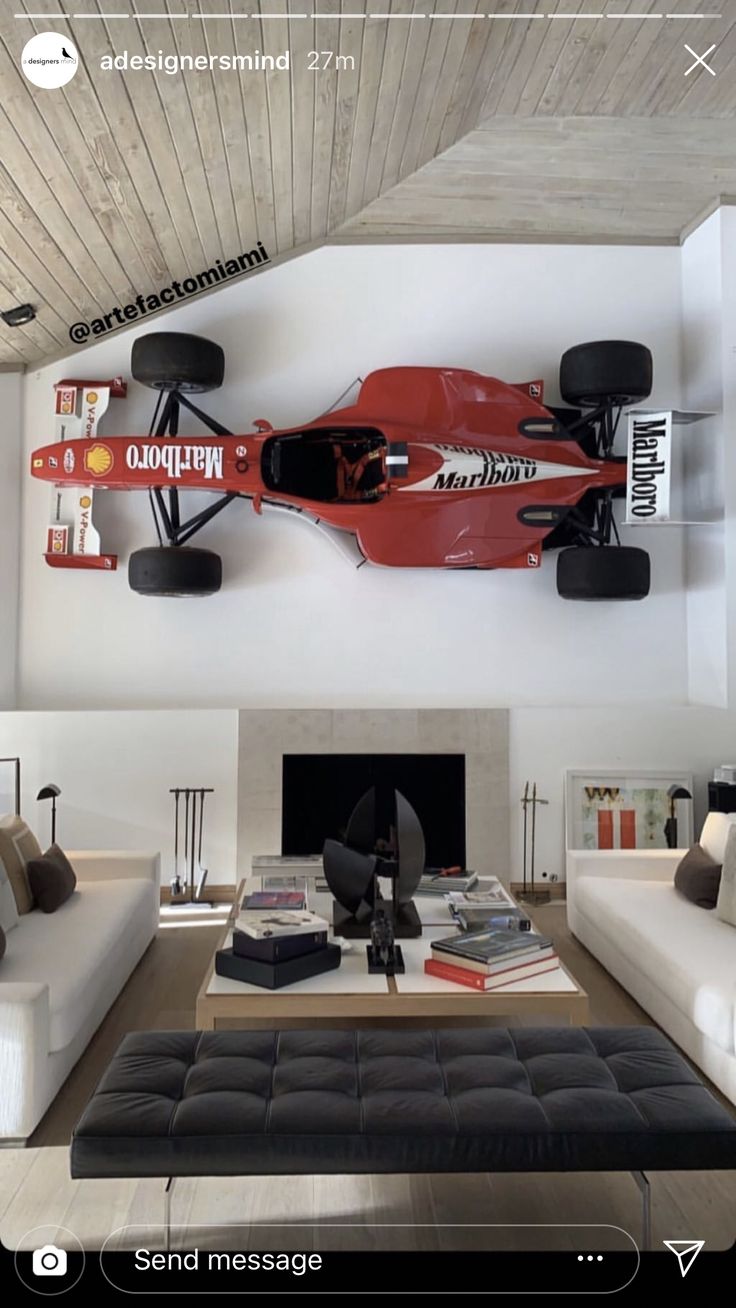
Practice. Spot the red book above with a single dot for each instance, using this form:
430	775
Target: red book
628	828
524	958
605	828
477	981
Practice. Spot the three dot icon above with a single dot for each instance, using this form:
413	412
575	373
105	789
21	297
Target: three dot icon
598	1258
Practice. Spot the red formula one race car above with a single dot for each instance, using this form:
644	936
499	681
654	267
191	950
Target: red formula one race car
428	468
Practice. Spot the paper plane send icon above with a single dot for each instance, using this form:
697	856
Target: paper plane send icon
685	1251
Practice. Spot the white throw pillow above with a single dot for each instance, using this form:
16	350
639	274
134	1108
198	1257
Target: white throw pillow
714	835
8	906
726	902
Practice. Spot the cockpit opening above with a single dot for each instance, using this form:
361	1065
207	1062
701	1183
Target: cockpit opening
332	465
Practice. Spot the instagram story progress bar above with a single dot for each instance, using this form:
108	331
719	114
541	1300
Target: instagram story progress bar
390	13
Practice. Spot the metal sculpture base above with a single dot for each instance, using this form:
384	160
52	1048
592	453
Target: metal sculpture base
392	967
406	923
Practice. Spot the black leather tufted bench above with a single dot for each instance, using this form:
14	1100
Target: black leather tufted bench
180	1103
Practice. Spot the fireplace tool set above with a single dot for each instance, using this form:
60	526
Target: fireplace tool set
530	801
186	889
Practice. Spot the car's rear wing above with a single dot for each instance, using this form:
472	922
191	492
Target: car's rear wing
72	540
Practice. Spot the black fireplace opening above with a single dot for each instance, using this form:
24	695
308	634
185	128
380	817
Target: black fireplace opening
320	791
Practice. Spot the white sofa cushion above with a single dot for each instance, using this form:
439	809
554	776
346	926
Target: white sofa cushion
8	906
17	846
726	904
714	835
70	949
683	950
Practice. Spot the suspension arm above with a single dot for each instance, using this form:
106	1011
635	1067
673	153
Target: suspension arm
212	423
167	517
193	525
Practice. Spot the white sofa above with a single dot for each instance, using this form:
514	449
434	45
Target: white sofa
61	973
677	960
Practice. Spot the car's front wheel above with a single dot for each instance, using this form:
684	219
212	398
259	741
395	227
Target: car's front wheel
170	361
603	572
174	570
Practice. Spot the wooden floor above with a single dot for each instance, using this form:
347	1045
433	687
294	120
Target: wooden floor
378	1212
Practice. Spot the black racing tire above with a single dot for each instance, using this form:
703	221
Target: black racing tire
606	372
603	572
174	570
169	361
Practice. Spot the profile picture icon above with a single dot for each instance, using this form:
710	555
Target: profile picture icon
49	1261
49	60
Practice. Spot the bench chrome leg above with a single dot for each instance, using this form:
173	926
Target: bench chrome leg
168	1192
646	1209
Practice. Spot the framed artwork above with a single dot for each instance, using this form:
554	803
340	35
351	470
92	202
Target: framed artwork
9	786
628	810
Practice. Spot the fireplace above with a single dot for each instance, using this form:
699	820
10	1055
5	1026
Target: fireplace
319	792
478	736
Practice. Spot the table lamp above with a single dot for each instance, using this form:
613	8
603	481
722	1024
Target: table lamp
50	792
670	827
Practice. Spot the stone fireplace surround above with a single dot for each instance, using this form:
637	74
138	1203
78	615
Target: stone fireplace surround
482	735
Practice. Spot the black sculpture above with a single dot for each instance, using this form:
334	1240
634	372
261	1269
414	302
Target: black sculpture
352	869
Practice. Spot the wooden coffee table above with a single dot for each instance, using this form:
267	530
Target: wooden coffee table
351	995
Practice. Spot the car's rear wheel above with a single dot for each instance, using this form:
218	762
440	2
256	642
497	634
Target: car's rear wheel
174	570
606	372
170	361
603	572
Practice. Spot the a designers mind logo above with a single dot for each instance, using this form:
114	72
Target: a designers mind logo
49	60
194	461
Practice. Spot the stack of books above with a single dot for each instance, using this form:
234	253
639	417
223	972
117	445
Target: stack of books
491	959
473	917
489	905
293	900
437	881
274	947
488	893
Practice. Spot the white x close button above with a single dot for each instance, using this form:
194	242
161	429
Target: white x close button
701	59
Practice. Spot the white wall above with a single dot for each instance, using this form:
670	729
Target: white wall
703	389
728	368
10	492
545	743
115	770
294	625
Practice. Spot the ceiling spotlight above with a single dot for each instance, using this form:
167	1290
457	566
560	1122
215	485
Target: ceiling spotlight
22	313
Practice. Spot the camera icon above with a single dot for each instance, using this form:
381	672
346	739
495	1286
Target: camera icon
49	1261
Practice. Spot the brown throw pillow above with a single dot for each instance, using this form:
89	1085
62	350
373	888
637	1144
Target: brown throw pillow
698	877
52	879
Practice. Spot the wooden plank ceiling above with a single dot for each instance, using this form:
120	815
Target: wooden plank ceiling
567	179
120	183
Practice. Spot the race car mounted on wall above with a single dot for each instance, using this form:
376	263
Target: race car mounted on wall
428	468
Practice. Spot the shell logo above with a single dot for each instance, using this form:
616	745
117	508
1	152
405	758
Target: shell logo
92	397
98	460
85	501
